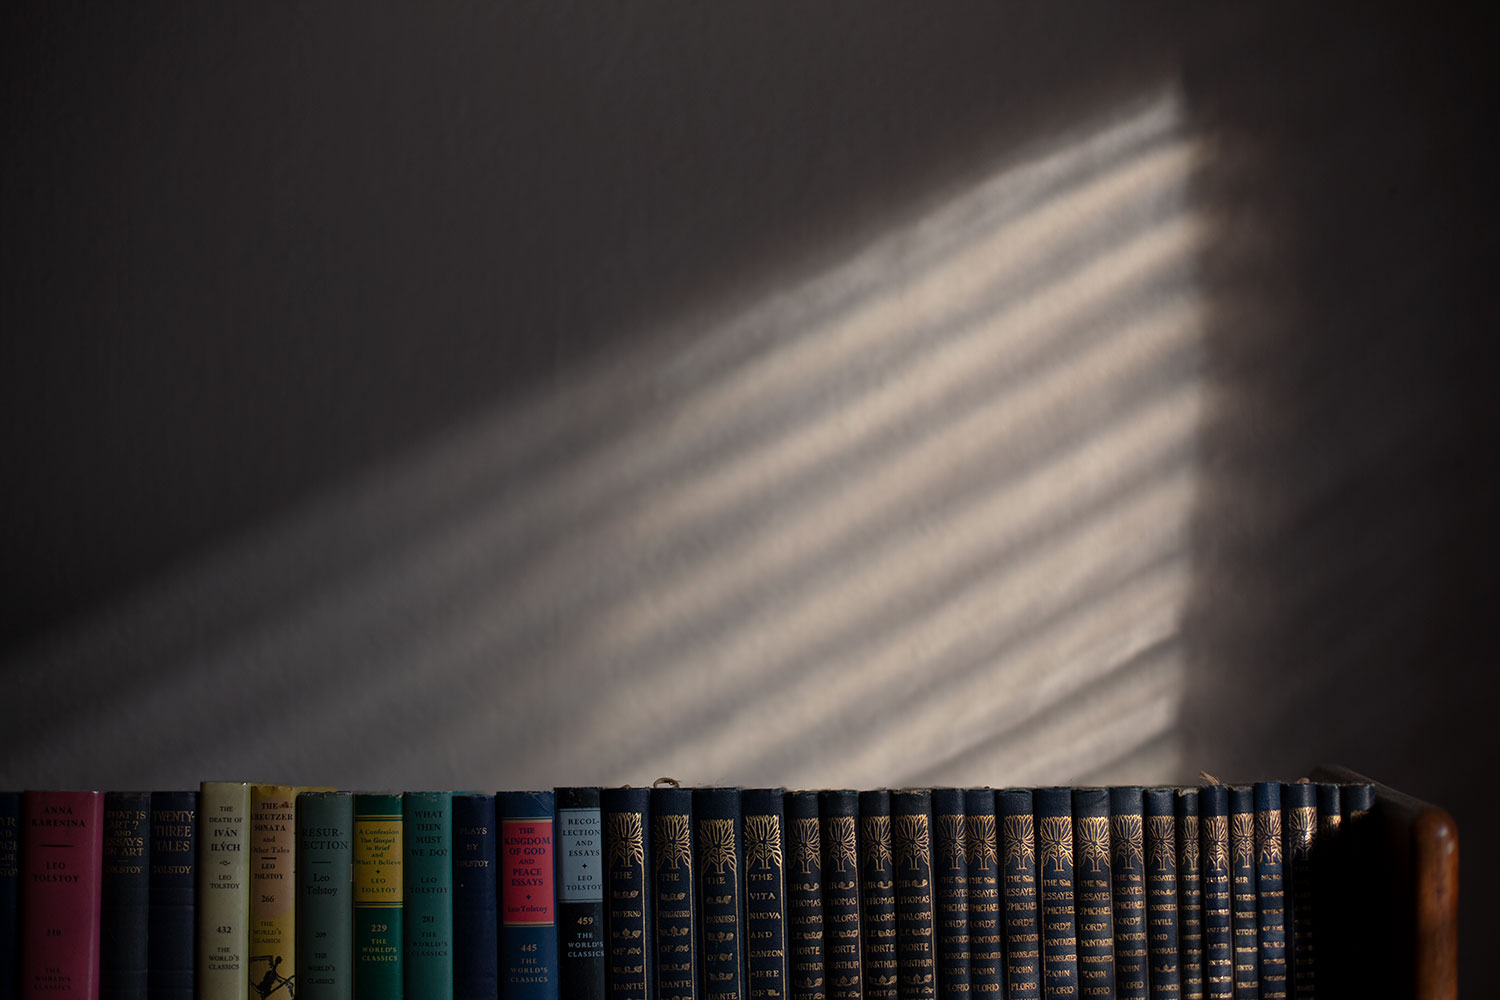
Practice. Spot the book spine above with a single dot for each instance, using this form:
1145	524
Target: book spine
1361	933
10	893
986	933
124	896
427	892
325	895
272	961
1218	936
1127	838
676	910
528	898
62	849
172	932
877	890
1190	894
1244	898
804	897
766	966
1054	838
1299	824
629	917
1023	934
1269	876
721	904
224	891
475	930
838	829
379	886
911	847
1161	894
580	894
1093	898
1328	891
950	883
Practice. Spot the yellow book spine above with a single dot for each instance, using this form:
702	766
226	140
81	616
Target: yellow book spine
273	889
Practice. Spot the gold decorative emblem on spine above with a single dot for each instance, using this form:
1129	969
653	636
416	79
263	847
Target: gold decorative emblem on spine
1242	835
762	842
1162	842
1129	847
842	849
1303	831
981	844
716	841
953	841
1189	843
627	842
1268	835
1055	840
806	845
1020	842
1093	841
1329	823
913	843
877	841
1216	832
674	842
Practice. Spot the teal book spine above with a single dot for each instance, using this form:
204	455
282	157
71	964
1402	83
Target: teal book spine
766	966
676	911
1055	870
1189	894
1161	895
1270	882
916	937
1023	935
1127	836
950	884
125	896
1092	897
1299	824
528	896
877	890
838	829
1244	894
325	895
427	894
1218	935
378	894
804	897
986	930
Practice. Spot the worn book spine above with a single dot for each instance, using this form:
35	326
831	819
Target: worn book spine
838	814
427	892
986	931
475	912
1093	895
676	897
62	848
1244	895
721	900
325	895
950	883
1218	939
379	888
766	965
1023	934
580	893
173	928
627	846
10	893
1299	825
804	897
1054	840
877	890
1190	894
916	937
223	912
272	963
528	895
1127	836
124	896
1270	883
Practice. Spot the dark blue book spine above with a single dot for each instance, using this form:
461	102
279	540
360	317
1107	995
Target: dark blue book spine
528	895
986	932
1362	932
1329	896
843	937
721	902
174	864
1244	897
1270	881
1054	839
1189	894
1093	896
476	930
877	891
1218	937
804	897
676	928
631	953
581	877
1299	824
125	897
916	937
10	893
950	880
1018	907
765	893
1127	838
1161	894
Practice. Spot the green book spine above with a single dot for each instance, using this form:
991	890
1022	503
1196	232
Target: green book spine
325	895
223	890
428	878
378	893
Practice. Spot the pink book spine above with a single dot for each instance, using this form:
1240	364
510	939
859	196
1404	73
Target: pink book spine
62	853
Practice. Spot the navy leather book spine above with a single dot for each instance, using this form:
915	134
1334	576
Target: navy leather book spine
1161	894
986	930
877	890
1218	940
1127	837
631	949
804	897
581	886
676	898
1018	899
1189	894
1270	882
721	901
843	937
125	896
10	893
766	964
950	881
174	928
528	894
1244	896
916	937
1299	826
1362	934
475	907
1054	849
1093	895
1327	891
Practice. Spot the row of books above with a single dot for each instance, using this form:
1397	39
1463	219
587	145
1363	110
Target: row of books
666	893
